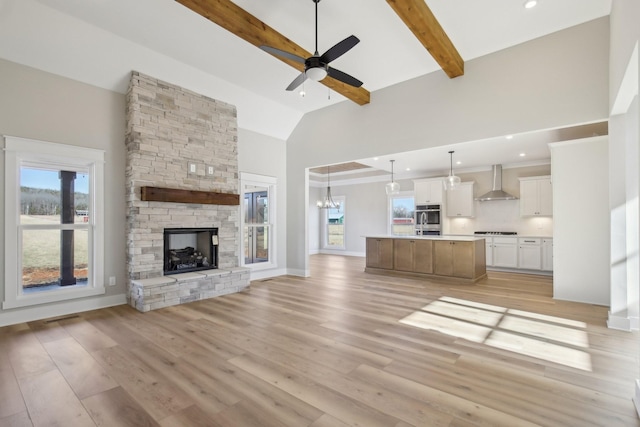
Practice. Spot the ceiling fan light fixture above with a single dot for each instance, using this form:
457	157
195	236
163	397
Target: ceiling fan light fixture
316	73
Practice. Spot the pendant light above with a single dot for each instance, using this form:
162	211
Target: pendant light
451	182
327	202
392	187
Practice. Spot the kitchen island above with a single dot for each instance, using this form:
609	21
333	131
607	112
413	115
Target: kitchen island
459	257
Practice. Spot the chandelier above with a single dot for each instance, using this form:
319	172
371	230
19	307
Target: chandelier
327	202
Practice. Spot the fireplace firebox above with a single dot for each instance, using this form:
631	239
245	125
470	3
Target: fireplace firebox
190	249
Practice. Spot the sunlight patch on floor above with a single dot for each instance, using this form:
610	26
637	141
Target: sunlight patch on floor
550	338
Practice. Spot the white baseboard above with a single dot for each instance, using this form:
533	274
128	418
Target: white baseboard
344	253
21	315
622	323
265	274
299	272
636	397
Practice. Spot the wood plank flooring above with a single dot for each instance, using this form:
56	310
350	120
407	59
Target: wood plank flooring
341	348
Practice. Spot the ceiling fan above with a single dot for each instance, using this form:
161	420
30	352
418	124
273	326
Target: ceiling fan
317	67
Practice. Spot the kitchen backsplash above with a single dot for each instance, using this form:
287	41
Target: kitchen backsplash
500	215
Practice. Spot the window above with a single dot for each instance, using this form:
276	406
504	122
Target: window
258	243
53	222
334	225
401	209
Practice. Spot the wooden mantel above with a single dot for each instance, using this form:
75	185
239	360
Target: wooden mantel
175	195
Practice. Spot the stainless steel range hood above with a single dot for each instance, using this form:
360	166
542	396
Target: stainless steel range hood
496	193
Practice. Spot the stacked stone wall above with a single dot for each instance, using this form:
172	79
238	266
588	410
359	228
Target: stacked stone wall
168	130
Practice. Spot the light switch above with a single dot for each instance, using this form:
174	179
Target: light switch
192	168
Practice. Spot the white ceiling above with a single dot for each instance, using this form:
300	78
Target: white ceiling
99	42
510	151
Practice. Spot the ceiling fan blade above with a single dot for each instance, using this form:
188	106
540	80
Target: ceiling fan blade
297	81
343	77
339	49
275	51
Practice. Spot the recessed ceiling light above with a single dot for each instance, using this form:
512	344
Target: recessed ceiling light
530	3
522	154
408	169
458	162
509	136
375	158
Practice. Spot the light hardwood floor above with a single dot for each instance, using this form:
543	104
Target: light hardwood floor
341	348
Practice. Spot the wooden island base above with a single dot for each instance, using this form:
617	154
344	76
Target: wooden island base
458	258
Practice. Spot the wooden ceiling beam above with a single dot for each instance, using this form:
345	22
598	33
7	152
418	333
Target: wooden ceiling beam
420	20
238	21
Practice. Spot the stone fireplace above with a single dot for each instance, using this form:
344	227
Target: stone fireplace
181	141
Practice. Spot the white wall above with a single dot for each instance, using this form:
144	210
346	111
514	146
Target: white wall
624	40
580	172
315	194
265	155
365	214
42	106
632	226
624	35
550	82
624	80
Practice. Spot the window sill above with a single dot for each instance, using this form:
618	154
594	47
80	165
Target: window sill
260	266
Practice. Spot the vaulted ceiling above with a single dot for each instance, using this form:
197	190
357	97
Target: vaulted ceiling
99	42
414	13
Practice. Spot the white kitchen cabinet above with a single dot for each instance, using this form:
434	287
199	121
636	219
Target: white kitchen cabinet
460	201
428	191
547	254
505	252
530	253
536	196
489	250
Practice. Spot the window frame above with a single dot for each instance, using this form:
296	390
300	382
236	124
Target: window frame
341	200
29	153
270	183
390	198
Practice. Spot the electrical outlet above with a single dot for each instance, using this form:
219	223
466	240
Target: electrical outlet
209	170
112	281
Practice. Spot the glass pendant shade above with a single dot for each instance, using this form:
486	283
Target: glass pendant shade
451	182
392	187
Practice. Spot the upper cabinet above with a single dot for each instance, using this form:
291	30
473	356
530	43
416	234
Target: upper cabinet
460	201
536	196
427	191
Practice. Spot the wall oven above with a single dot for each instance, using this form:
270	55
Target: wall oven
427	219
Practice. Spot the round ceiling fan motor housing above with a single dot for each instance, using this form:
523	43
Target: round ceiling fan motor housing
315	68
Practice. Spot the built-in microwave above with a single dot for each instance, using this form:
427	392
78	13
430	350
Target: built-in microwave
427	217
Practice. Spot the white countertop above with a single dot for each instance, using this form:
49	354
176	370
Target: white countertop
521	236
457	238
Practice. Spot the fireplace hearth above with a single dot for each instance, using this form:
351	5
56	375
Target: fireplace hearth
190	249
